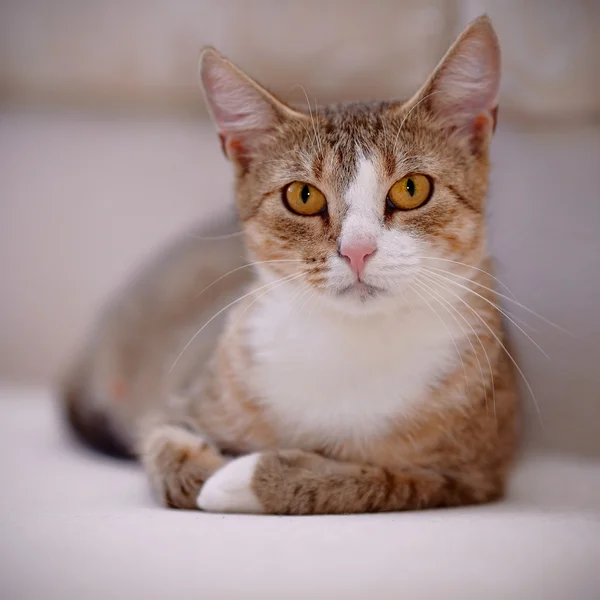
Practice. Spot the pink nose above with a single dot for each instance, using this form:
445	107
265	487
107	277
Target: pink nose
357	255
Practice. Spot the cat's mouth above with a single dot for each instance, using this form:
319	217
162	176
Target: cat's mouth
361	290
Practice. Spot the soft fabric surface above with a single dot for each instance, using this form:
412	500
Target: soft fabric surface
77	525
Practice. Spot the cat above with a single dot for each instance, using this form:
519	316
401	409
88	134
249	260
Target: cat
357	362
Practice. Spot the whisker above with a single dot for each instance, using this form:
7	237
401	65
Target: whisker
493	304
309	298
210	238
529	388
385	133
318	135
449	334
304	291
252	264
408	306
317	139
508	313
299	292
457	262
278	282
475	353
288	277
408	115
315	295
525	308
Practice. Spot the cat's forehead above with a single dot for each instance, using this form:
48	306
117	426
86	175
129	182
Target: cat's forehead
360	125
354	132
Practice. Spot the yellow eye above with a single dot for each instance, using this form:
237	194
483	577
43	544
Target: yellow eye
304	199
410	192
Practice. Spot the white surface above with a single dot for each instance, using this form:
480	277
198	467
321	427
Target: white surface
77	526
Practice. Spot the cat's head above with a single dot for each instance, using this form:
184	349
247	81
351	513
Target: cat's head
357	200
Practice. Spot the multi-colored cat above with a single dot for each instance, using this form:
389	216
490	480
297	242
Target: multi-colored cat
362	367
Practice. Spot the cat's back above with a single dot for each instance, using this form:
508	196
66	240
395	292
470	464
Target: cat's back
124	368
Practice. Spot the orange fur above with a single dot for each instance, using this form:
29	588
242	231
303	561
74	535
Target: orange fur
455	445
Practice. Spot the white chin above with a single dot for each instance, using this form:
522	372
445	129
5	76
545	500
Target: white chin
360	298
362	292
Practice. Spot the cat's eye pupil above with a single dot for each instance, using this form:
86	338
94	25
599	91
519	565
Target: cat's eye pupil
305	194
410	187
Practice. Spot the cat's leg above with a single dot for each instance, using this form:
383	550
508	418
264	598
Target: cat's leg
299	483
177	461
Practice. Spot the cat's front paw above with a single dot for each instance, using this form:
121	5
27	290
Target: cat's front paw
230	488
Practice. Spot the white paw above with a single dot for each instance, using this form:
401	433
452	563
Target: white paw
228	490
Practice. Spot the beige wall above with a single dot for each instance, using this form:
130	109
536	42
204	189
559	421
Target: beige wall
141	53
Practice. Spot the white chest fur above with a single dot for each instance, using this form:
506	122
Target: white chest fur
334	376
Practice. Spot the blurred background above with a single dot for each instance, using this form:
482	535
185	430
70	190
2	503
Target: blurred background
106	153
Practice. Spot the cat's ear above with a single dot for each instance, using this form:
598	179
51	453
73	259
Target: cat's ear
242	110
462	92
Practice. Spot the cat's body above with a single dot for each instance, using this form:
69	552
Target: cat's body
364	368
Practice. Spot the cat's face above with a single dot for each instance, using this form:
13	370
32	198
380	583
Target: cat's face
354	200
359	247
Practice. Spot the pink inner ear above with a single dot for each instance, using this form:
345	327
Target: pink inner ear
242	110
483	126
465	86
233	148
482	123
464	101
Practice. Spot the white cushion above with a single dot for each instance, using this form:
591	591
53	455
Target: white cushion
74	525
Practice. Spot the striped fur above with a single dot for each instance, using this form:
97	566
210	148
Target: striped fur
316	392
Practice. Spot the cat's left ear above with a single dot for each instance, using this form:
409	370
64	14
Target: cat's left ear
242	110
462	92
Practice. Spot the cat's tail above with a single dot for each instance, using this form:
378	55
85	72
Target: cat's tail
91	423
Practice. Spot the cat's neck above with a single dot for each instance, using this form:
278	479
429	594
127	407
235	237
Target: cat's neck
369	367
303	306
309	314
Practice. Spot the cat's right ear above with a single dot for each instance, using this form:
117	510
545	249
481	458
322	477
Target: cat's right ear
242	110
